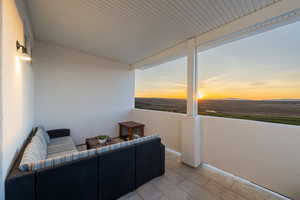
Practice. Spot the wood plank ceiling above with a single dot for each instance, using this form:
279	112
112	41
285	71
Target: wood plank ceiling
130	30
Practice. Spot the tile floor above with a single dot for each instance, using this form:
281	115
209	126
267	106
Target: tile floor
181	182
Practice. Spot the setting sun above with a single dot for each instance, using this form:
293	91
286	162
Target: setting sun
200	95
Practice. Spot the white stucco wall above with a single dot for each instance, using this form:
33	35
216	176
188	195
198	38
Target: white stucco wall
264	153
167	124
16	87
87	94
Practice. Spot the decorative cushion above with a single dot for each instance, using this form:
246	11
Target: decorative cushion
42	138
34	152
41	147
44	133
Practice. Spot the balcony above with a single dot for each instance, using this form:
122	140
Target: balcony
183	182
82	77
247	153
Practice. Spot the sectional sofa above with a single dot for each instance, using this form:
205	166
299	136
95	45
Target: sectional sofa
49	167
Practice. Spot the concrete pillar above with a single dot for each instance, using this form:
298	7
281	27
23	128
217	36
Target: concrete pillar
190	127
192	78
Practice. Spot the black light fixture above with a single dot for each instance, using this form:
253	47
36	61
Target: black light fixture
24	55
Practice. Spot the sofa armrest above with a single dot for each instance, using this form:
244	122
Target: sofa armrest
20	185
148	164
162	153
58	133
116	172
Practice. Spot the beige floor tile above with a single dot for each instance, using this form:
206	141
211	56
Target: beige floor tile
205	172
226	181
248	191
149	192
185	171
170	191
170	164
131	196
198	179
215	188
223	180
181	182
169	155
196	191
173	177
163	198
229	195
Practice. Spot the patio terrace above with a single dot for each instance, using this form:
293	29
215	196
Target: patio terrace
203	183
82	77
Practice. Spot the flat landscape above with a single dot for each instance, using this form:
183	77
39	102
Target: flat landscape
276	111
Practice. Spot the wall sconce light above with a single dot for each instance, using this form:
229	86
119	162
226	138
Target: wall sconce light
24	55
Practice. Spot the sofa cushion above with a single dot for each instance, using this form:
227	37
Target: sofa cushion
60	154
146	138
63	149
51	162
61	146
42	138
61	140
114	146
34	152
126	143
42	147
43	132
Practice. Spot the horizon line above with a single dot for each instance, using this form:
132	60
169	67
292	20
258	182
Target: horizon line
228	99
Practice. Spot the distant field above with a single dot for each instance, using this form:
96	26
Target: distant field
285	112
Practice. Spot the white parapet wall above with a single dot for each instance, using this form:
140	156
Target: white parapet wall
266	154
167	124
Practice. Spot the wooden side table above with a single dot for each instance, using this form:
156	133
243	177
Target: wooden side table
131	128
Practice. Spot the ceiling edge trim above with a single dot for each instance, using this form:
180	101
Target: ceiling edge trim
284	12
278	14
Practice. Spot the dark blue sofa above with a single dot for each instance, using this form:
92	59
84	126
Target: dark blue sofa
100	177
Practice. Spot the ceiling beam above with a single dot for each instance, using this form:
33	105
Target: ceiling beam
172	53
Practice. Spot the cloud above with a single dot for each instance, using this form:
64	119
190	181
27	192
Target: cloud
258	83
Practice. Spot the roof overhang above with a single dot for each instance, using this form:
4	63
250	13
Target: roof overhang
47	22
281	13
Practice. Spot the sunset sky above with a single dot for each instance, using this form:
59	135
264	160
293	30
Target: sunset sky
264	66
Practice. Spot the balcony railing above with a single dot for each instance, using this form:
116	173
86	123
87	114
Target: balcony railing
264	153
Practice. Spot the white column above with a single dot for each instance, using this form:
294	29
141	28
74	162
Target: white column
190	127
192	78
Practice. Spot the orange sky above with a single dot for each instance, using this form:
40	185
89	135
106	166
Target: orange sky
281	85
206	94
264	66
